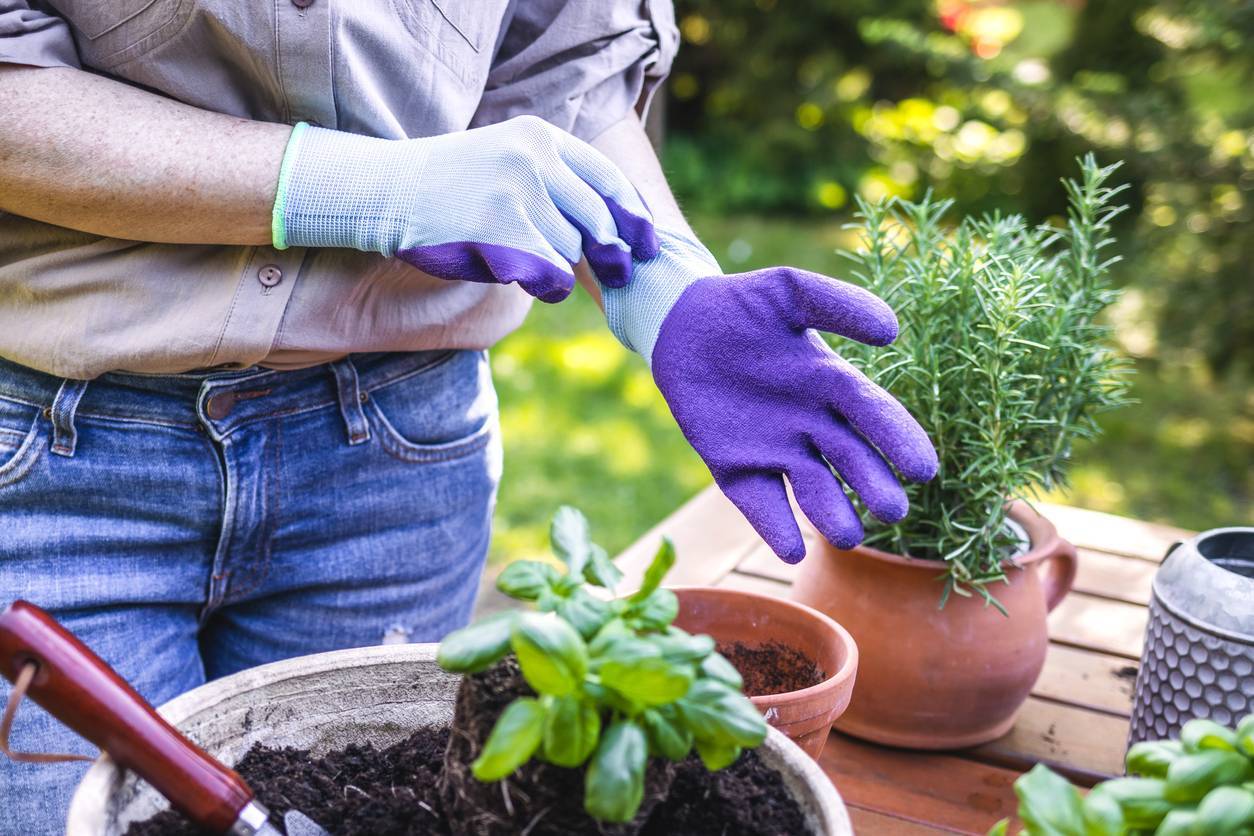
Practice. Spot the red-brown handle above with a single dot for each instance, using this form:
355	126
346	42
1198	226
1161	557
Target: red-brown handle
79	689
1059	572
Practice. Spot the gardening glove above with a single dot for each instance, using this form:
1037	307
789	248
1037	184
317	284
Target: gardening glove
519	201
760	395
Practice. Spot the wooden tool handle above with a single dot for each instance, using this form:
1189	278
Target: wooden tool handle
79	689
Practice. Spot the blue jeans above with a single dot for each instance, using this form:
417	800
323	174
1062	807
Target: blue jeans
188	526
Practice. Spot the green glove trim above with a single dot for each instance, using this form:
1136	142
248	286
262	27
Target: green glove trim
278	229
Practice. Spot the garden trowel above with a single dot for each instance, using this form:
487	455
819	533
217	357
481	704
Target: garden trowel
56	670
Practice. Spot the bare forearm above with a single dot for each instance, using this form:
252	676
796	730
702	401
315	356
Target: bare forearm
97	155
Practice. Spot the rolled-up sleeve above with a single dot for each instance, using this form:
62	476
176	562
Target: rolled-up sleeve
580	64
34	38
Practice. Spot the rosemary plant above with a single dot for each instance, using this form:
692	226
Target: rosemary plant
1000	357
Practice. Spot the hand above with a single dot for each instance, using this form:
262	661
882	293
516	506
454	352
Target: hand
520	201
760	396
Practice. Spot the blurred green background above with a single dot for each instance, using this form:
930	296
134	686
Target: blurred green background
777	113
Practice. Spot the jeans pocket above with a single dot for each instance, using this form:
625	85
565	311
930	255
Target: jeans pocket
441	412
20	435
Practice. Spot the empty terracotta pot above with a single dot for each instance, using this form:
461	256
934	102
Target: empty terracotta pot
731	616
935	678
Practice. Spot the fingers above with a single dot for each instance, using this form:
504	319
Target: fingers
632	218
545	278
823	500
585	210
864	470
882	421
839	307
764	502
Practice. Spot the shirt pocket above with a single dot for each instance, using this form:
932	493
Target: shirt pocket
111	33
453	31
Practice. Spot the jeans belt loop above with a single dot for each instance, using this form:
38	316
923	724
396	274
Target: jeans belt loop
64	406
351	400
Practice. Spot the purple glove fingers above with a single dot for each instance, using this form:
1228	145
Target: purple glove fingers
821	302
761	497
492	264
611	265
631	214
864	470
821	498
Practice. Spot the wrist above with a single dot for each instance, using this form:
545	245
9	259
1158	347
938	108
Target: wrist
635	312
338	189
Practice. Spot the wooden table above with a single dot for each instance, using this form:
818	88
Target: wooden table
1076	720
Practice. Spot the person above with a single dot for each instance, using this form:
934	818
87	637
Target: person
251	259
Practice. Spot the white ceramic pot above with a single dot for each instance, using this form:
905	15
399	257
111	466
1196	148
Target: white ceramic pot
326	701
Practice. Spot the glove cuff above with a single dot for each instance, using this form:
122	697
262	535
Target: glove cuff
635	312
338	189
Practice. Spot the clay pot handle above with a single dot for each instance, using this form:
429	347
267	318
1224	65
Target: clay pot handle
1059	572
79	689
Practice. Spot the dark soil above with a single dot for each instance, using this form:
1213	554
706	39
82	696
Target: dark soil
772	668
362	791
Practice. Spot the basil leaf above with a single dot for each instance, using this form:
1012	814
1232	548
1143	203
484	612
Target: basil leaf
662	562
1142	800
1150	758
1192	776
667	735
654	612
526	580
716	713
614	784
716	667
570	539
477	646
647	681
1200	734
717	755
585	612
553	657
514	739
600	570
1226	810
571	729
678	646
1048	804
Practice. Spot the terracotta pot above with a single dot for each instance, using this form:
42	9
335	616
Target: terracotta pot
934	678
732	616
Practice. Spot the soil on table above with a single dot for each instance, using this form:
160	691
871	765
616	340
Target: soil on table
772	668
363	791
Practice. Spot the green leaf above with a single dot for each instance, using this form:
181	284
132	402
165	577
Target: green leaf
1199	735
1150	758
614	783
1245	735
1102	816
570	539
1048	804
1182	822
667	734
477	646
1191	776
1142	800
678	646
662	562
717	713
1226	810
571	729
999	829
647	681
600	570
612	632
514	739
585	612
716	667
717	755
553	657
526	580
655	612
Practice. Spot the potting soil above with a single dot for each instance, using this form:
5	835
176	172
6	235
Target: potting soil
772	668
363	791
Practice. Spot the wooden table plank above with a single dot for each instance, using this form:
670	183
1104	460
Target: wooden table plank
1109	533
1099	624
1113	576
1086	679
871	823
1085	745
944	790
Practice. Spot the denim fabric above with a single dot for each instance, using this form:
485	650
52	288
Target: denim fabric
189	526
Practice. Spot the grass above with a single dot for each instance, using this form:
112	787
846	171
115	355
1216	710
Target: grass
585	426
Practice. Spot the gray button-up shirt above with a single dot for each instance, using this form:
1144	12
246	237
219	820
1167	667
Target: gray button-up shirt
78	305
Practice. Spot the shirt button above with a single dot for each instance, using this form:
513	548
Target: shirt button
270	275
302	4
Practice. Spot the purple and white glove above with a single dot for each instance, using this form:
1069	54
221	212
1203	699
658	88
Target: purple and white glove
520	201
760	396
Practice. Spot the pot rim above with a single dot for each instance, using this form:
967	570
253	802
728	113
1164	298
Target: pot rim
1042	539
822	621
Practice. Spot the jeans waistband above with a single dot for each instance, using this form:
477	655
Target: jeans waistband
217	400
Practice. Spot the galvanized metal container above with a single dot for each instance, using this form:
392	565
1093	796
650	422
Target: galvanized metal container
1198	659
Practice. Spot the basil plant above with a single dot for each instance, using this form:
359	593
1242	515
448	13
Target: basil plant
615	681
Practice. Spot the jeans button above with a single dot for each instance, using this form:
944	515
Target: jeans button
219	406
270	275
